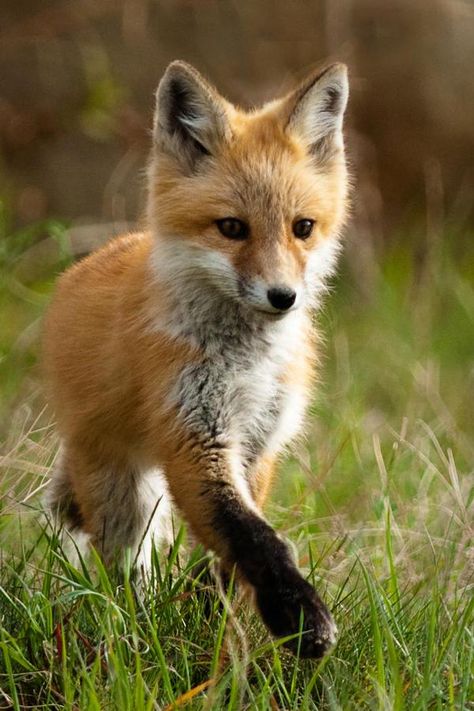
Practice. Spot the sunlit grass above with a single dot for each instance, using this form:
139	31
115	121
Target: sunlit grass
377	502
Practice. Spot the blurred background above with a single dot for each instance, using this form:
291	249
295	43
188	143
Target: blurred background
77	79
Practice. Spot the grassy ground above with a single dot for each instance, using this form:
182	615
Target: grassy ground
378	504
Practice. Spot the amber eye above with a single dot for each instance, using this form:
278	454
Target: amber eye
303	228
233	228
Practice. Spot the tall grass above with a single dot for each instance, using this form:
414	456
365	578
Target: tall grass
377	502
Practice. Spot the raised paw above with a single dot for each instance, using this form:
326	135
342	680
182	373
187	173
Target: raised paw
282	607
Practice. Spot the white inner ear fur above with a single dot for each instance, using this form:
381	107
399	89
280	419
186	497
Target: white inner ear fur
320	110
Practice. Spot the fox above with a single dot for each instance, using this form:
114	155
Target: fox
180	359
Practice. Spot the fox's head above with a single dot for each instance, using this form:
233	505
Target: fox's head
249	204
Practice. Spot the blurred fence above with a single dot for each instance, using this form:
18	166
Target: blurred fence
77	79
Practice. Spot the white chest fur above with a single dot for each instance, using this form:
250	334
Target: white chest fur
267	412
237	394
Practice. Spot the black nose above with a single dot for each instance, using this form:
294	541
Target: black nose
281	297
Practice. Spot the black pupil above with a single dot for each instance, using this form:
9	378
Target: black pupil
303	228
232	227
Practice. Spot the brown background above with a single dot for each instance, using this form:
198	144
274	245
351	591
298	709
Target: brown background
77	79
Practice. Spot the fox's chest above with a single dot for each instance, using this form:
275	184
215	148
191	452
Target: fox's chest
259	397
242	402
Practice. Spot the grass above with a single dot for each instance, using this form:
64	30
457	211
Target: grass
378	504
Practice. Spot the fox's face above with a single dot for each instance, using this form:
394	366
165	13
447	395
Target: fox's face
249	204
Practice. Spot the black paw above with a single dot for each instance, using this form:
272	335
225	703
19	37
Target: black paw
292	606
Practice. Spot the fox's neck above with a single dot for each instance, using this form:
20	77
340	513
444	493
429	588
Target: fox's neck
220	326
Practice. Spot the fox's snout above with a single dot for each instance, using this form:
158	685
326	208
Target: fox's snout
277	299
270	296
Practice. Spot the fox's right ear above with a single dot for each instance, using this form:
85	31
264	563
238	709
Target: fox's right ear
191	117
315	111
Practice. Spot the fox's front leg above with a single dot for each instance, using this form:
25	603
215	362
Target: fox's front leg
262	479
207	484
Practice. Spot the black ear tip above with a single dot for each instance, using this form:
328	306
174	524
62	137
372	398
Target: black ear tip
337	69
335	78
178	65
180	70
176	83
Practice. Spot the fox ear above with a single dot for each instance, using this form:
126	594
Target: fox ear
190	117
315	111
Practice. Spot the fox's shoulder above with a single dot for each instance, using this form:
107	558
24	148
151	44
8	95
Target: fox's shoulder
116	256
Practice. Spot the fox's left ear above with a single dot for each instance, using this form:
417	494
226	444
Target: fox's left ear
191	118
314	112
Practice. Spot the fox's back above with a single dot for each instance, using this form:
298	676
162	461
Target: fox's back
86	342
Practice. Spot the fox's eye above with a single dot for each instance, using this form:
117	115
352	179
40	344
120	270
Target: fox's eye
233	228
303	228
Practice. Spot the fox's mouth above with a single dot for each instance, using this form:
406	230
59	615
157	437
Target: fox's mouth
275	314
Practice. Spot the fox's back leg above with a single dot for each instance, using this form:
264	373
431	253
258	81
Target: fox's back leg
63	510
60	499
111	501
158	516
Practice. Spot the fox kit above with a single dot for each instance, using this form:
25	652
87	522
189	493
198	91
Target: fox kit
180	360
